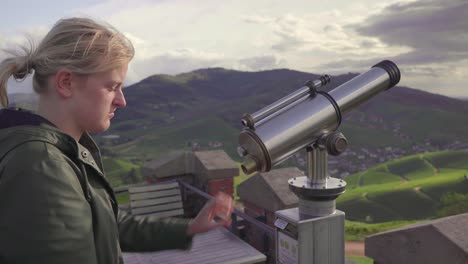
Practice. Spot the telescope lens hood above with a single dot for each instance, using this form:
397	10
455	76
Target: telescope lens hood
392	71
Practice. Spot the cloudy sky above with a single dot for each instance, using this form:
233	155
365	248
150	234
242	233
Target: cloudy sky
427	39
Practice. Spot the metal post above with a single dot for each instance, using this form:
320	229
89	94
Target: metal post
317	166
314	231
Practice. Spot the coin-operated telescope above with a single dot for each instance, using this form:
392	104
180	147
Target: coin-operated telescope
309	119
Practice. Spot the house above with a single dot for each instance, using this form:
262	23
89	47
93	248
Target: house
443	240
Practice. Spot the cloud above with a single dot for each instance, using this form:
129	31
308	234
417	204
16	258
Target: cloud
425	38
261	63
12	42
435	30
317	34
435	38
173	62
256	19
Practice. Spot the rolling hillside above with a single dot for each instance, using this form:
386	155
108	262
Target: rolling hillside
409	188
201	110
206	105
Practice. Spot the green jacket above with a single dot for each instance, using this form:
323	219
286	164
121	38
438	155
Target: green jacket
56	205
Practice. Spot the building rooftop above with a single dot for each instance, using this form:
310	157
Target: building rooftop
270	190
443	240
215	159
213	164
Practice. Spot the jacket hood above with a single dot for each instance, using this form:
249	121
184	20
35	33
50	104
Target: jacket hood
18	126
11	117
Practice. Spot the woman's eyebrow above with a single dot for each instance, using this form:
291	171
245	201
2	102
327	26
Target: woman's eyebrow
115	82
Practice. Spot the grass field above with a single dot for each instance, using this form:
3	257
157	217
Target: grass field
357	231
117	169
238	180
388	196
392	195
409	188
360	260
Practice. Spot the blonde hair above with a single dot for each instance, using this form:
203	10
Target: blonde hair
81	45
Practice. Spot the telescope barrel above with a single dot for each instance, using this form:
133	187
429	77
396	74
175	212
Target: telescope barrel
270	142
365	86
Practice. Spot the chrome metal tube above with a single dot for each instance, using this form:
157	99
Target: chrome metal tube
317	166
293	129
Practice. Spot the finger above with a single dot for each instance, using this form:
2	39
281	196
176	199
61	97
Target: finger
208	206
231	205
207	212
228	223
223	221
225	202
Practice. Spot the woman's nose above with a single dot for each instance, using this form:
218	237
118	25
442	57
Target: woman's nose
120	99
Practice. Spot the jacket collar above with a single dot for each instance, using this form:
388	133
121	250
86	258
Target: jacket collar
29	126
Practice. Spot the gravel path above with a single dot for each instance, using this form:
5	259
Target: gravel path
354	248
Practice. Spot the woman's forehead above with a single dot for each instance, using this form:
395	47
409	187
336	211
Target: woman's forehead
117	74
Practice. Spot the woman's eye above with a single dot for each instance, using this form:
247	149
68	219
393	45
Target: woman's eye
114	87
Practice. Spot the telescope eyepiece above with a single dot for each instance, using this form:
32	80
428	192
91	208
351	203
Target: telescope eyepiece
314	85
247	121
392	70
250	165
325	79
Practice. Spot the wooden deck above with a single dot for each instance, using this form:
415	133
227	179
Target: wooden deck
214	247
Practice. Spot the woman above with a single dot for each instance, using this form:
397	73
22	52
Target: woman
56	205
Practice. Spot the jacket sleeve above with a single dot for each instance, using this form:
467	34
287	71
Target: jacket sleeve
147	233
44	215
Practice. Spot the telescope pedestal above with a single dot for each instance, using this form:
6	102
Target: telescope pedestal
312	233
307	239
309	119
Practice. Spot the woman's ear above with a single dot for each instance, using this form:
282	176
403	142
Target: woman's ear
63	83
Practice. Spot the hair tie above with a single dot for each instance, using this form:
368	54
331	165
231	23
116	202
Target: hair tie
30	67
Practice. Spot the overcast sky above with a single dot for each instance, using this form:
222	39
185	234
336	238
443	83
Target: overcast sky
427	39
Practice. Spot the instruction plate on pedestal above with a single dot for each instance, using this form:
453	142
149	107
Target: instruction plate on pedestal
287	249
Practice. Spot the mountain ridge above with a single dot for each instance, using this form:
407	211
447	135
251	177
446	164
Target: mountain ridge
403	118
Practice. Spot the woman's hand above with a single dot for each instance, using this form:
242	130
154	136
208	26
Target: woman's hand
216	212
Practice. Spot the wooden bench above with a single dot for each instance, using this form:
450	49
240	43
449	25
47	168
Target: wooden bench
216	246
161	199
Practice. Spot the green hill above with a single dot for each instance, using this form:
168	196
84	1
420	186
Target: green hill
120	172
411	188
207	105
167	112
149	143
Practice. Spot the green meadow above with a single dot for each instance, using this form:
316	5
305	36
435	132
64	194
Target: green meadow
409	188
391	195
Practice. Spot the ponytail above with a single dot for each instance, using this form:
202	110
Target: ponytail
19	65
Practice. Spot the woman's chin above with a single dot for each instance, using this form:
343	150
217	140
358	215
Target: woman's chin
101	128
